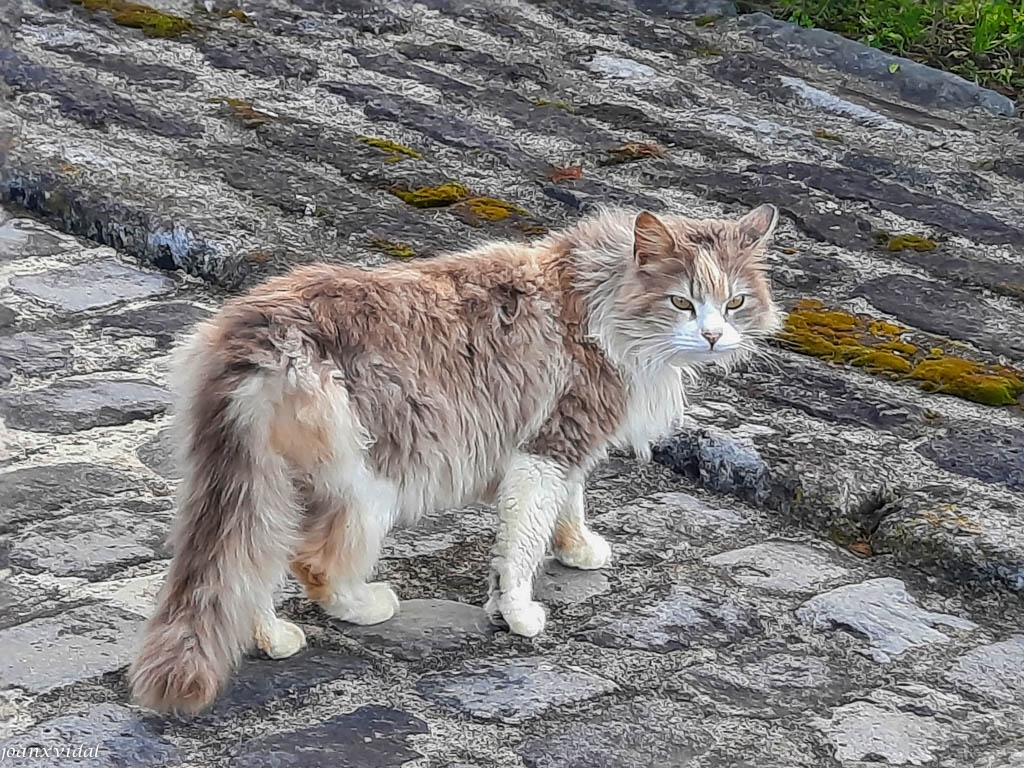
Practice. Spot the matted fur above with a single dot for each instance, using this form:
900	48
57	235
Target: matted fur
331	403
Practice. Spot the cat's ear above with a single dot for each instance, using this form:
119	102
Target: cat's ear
758	226
651	239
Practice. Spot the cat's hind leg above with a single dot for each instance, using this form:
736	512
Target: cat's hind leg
341	542
531	494
574	544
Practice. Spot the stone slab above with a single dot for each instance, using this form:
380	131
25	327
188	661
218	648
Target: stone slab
74	405
89	286
882	611
512	691
423	628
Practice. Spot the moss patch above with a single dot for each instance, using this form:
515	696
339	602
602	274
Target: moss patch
632	151
395	152
905	241
391	248
438	196
881	347
243	113
706	20
152	22
823	134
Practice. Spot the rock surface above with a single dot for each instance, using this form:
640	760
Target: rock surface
822	569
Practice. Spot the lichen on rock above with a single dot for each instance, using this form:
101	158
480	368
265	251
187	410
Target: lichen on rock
150	21
879	346
395	152
905	241
437	196
391	248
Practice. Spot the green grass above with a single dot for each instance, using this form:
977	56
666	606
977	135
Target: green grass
981	40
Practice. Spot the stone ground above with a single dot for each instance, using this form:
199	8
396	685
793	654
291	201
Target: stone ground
823	568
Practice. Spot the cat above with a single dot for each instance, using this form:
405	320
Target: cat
332	403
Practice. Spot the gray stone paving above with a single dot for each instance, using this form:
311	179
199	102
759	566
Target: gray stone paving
821	570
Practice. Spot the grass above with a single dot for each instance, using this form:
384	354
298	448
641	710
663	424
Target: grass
980	40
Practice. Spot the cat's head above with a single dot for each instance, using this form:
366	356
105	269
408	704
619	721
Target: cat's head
698	289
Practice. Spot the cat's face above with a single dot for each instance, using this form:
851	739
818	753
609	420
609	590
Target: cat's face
701	290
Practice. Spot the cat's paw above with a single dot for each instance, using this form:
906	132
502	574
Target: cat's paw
526	617
592	552
375	604
280	639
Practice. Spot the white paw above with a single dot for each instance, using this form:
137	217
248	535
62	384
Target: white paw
375	603
526	617
280	639
592	554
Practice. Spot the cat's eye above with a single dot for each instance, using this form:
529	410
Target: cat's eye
735	303
680	303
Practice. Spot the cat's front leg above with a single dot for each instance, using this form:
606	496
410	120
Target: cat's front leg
574	544
532	492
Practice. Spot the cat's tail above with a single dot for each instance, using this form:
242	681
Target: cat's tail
235	528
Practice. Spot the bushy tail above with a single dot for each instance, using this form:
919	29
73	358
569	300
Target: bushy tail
234	531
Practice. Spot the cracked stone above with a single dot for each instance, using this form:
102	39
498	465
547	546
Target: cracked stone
558	585
370	737
884	613
47	653
687	617
990	453
512	690
89	286
24	596
783	566
422	628
34	353
106	736
71	406
92	544
996	670
37	493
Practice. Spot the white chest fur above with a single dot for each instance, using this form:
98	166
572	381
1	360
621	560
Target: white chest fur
655	405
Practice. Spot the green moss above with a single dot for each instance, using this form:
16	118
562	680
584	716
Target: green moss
395	152
981	383
706	20
823	134
152	22
431	197
878	346
244	113
391	248
493	209
905	241
632	151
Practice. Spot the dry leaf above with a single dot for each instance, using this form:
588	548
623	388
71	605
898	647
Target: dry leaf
568	173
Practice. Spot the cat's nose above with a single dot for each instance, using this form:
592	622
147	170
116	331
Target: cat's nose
711	336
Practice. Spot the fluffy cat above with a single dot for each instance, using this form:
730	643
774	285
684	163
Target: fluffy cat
332	403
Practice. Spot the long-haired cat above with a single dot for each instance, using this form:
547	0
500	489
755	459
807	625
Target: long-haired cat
329	404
